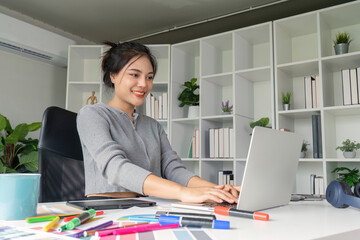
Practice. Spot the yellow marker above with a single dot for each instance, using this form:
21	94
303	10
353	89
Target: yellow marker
51	224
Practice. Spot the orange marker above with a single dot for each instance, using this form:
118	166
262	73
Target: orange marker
241	213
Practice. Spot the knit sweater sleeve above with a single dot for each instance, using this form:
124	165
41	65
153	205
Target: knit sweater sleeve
108	155
172	167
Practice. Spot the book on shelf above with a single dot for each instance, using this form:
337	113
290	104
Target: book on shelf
193	147
216	140
231	140
312	87
317	136
152	99
165	106
308	92
358	81
221	142
212	143
160	107
345	77
354	86
190	154
148	105
226	136
156	109
197	143
319	185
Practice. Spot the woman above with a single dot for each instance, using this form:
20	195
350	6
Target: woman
127	154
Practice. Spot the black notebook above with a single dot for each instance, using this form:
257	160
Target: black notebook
103	204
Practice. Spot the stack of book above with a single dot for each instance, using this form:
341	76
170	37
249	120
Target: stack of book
156	107
221	142
225	177
311	85
351	86
194	151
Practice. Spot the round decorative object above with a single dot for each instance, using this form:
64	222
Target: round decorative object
349	154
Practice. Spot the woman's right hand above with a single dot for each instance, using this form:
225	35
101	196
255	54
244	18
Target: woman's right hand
206	194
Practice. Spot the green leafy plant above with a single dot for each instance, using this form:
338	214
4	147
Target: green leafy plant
348	146
225	107
350	176
286	98
262	122
188	96
18	153
342	37
304	146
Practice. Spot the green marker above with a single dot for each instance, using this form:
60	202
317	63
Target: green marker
40	219
80	219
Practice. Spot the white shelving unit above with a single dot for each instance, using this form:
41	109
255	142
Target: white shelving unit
251	67
235	66
85	76
303	46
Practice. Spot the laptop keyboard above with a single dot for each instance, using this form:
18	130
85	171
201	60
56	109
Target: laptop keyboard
225	204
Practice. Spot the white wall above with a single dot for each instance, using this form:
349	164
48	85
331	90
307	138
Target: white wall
28	87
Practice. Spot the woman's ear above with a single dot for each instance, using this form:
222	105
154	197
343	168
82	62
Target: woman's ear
112	77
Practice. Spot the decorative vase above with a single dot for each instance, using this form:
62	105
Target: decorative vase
193	111
302	154
19	193
341	48
286	106
349	154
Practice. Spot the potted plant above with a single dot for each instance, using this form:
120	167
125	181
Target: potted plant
304	149
341	43
190	96
348	148
226	108
18	153
286	100
262	122
350	176
18	159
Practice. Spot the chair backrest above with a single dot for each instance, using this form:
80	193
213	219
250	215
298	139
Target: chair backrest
60	157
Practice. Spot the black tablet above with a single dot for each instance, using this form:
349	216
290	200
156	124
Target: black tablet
103	204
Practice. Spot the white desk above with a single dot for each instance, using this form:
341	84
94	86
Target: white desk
298	220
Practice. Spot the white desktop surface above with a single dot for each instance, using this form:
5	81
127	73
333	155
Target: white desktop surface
298	220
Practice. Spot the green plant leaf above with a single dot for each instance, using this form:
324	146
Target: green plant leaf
34	126
5	169
2	122
20	132
30	161
2	146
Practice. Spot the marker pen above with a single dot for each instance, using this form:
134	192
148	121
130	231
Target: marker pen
194	222
137	229
68	219
241	213
186	214
80	219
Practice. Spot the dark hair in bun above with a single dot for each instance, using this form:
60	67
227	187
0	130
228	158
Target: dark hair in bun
119	55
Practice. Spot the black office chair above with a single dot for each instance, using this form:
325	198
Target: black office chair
60	157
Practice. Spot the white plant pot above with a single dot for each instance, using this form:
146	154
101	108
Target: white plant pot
286	107
193	111
302	154
349	154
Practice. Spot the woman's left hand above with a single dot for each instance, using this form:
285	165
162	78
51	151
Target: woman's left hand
234	190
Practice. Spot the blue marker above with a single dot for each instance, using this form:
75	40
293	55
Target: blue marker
143	219
194	222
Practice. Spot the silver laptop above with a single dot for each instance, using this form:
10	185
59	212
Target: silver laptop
270	171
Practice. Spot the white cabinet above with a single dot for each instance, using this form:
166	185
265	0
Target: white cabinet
303	46
85	76
235	66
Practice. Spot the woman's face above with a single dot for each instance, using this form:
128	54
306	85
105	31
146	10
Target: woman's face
133	83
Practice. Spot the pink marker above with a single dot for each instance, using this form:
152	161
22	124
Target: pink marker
135	229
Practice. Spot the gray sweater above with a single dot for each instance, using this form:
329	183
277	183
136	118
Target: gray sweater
119	154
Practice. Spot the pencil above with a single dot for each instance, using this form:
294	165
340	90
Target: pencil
51	224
